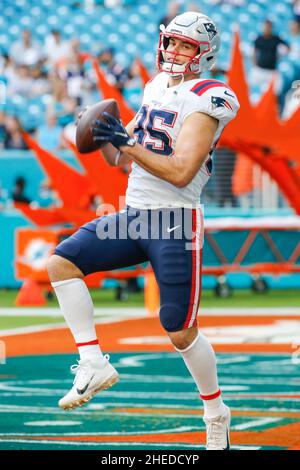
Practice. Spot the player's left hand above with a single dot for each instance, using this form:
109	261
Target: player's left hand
113	132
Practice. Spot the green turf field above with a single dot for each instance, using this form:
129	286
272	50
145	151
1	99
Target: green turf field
7	322
240	298
107	298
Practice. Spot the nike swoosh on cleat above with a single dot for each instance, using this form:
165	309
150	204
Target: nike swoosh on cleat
82	390
172	229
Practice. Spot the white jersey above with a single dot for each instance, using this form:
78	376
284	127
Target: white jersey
158	124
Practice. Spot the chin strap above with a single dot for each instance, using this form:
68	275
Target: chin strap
175	73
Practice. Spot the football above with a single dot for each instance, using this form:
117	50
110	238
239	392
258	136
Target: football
84	138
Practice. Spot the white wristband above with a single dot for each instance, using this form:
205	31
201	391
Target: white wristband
117	157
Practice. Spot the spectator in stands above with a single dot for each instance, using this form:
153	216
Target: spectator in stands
7	67
14	138
55	48
19	190
27	51
2	129
41	85
75	49
3	62
71	69
58	91
20	82
115	73
60	103
75	53
296	9
133	90
266	49
68	112
295	40
173	10
49	134
134	76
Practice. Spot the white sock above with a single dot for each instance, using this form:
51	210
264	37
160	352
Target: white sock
200	359
77	307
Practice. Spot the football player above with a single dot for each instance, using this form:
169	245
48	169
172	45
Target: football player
170	143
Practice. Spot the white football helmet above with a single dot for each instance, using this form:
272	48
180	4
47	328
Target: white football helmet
197	29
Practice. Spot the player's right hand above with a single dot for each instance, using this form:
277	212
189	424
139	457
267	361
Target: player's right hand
112	131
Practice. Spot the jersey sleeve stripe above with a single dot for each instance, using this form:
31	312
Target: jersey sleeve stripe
202	89
204	83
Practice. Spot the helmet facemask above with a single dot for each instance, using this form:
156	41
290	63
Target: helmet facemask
192	65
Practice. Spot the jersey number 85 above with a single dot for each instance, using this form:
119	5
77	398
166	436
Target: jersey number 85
152	129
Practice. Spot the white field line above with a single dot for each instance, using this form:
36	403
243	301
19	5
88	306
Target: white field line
255	423
151	445
113	433
57	326
112	315
242	384
91	408
7	390
55	312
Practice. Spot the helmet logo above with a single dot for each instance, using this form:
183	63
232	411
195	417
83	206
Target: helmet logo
211	30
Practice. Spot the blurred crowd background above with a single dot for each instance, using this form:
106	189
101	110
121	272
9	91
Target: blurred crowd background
46	75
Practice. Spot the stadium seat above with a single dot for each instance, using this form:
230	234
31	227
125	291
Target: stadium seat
138	21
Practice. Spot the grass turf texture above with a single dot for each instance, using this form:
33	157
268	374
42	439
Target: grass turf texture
240	298
106	298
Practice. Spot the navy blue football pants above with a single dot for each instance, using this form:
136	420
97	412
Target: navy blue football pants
171	239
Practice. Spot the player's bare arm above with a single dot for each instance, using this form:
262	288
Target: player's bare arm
192	147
